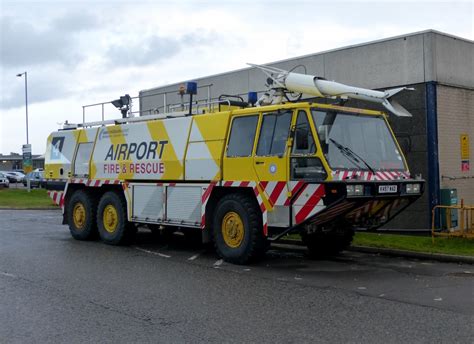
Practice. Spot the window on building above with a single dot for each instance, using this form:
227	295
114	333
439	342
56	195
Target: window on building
242	136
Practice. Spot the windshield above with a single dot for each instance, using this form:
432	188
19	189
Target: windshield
353	141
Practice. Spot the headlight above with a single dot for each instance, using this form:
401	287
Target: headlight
413	188
355	190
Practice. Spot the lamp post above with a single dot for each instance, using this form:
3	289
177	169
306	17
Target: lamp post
27	157
26	101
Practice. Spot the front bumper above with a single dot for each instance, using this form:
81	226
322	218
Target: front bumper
379	202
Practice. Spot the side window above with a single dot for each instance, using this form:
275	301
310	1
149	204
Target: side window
274	133
307	168
242	136
81	164
304	142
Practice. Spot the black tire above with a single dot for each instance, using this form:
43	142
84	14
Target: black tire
82	227
252	246
324	244
116	230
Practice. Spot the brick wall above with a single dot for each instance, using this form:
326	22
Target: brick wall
455	117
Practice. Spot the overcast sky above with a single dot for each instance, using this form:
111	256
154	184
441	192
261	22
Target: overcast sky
83	52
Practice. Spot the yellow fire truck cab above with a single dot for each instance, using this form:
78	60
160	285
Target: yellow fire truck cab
240	174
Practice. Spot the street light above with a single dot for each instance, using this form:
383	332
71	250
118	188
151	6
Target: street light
26	101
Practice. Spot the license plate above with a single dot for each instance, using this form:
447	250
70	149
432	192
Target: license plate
387	188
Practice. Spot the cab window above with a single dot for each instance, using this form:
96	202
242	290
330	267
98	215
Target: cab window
304	142
274	133
242	136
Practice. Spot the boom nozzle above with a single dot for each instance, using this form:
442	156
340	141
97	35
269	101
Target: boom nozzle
320	87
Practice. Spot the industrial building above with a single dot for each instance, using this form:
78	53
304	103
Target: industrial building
14	161
440	68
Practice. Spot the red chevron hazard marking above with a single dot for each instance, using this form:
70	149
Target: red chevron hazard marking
294	191
310	204
277	191
207	193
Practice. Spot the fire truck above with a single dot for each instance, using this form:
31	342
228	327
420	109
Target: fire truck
241	174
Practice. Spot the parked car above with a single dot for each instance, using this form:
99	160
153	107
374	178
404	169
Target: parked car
21	171
36	180
10	178
4	180
14	177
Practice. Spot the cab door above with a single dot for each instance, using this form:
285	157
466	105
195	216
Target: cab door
238	164
271	153
307	172
271	165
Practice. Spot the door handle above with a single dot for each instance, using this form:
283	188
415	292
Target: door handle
259	162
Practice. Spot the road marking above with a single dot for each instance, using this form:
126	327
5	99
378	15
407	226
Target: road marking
152	252
361	288
438	299
218	263
7	274
194	257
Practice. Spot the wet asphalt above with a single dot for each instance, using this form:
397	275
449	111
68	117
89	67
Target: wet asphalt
55	289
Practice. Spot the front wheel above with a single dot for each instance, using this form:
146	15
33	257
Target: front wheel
114	228
237	229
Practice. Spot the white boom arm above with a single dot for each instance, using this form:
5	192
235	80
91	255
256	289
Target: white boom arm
319	87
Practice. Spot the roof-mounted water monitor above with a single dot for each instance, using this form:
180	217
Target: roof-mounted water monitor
284	81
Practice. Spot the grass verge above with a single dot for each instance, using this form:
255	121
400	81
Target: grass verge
454	246
22	199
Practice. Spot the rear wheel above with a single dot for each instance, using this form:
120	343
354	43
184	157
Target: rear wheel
322	244
237	229
114	228
81	215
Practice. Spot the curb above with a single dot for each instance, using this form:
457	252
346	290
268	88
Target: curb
448	258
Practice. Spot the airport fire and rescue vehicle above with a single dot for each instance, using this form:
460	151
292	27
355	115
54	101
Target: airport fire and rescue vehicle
242	174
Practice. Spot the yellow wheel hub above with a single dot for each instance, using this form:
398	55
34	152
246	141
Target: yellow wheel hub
110	218
79	216
232	229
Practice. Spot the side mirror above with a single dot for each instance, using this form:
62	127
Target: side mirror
301	139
